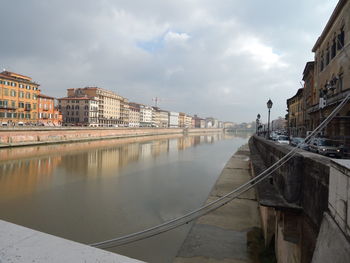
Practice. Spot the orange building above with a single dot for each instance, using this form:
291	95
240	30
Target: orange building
18	99
48	114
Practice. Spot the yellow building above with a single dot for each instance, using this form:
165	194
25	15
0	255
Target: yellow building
332	73
182	117
18	99
296	115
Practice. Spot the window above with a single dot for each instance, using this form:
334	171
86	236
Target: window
21	104
68	107
13	104
334	48
13	93
340	82
341	37
321	62
6	92
27	95
327	56
77	107
34	106
67	113
77	113
21	94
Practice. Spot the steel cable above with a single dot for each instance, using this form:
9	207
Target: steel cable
166	226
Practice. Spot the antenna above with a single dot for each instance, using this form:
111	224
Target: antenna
156	100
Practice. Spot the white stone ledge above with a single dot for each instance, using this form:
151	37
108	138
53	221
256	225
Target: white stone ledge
20	244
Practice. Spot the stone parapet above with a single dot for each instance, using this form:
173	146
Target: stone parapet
20	244
22	137
293	199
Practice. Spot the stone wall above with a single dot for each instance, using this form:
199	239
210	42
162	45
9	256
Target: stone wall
19	137
299	201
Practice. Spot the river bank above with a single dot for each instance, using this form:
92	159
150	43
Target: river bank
38	136
223	235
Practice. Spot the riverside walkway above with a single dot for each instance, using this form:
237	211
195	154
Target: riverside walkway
221	236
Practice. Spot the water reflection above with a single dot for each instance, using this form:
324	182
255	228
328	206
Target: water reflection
98	190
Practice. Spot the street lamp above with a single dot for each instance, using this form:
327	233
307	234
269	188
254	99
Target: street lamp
269	106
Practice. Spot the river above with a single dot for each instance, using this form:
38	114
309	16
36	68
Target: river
98	190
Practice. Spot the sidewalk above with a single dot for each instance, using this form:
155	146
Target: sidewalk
221	236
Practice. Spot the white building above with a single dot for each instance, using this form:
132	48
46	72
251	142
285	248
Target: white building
173	119
145	116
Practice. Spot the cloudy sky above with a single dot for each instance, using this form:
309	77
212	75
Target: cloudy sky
220	58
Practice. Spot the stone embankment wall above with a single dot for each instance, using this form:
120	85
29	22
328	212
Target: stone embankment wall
32	136
293	200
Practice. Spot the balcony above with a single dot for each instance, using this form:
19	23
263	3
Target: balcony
8	107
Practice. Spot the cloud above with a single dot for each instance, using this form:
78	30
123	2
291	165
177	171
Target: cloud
222	58
176	37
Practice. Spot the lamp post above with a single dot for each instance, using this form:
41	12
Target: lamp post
269	106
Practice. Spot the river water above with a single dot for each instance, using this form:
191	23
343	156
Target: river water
98	190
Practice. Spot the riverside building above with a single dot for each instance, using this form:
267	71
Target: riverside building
48	113
173	119
82	111
326	80
18	99
145	116
332	73
163	119
134	114
112	109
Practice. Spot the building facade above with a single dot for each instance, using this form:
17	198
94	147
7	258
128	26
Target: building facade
332	73
112	109
188	121
155	117
134	114
198	122
296	115
48	112
309	94
163	119
145	116
82	111
173	119
124	112
18	99
181	119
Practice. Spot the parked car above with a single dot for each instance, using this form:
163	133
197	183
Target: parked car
274	136
326	147
282	139
295	141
